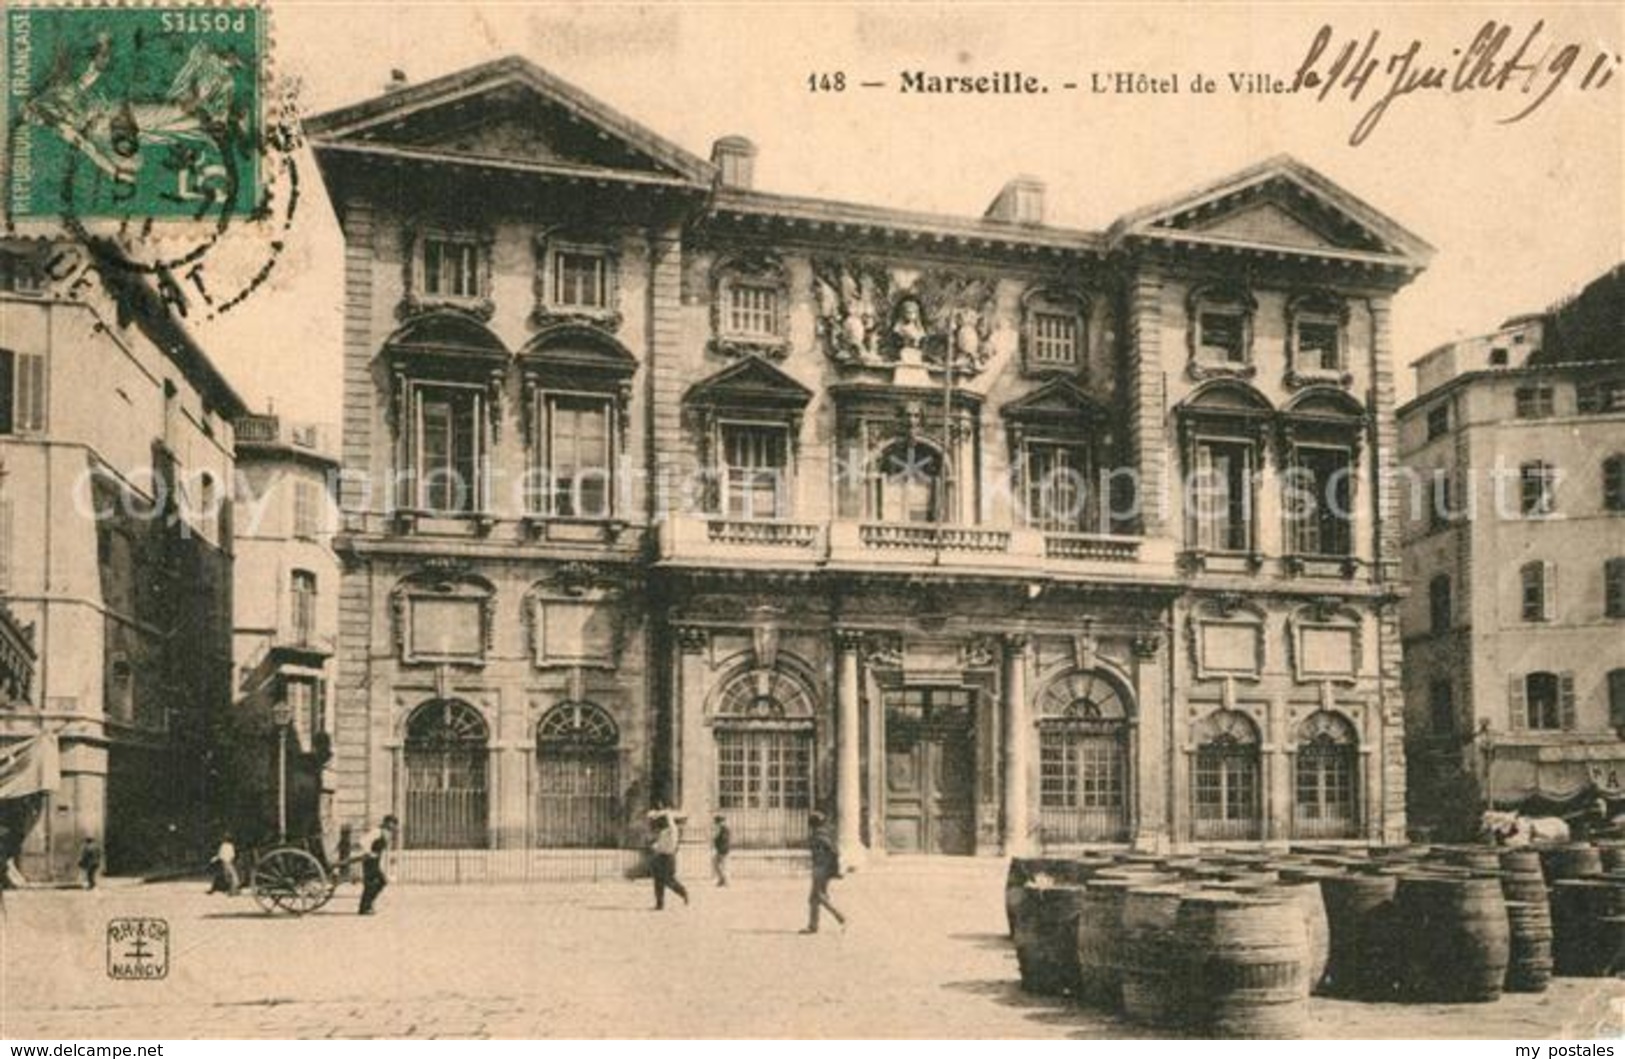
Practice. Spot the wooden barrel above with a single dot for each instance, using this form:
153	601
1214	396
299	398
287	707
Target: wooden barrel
1521	861
1613	856
1146	964
1361	957
1304	888
1455	932
1585	930
1529	947
1478	858
1240	965
1046	946
1042	870
1099	940
1577	860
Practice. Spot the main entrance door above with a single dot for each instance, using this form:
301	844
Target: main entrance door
930	770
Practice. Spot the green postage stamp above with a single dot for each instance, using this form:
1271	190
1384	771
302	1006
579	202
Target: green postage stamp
133	112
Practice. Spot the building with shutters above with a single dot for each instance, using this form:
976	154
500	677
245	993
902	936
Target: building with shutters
284	629
1514	453
663	489
115	546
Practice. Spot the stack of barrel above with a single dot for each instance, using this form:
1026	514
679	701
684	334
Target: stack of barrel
1231	943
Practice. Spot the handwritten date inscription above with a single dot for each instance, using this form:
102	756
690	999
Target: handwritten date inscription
1495	60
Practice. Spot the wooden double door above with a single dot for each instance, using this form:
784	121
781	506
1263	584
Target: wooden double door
930	770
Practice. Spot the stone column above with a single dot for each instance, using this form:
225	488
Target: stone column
848	736
1153	734
689	788
1017	736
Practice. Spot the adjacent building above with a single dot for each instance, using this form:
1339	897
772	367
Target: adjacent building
115	548
984	534
1514	531
285	629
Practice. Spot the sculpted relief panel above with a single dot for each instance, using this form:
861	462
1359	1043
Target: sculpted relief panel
867	319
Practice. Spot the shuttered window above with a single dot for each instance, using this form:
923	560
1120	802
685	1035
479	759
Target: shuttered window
1613	576
1538	585
22	392
1542	701
1613	483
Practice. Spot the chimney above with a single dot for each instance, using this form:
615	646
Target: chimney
735	159
1021	201
397	81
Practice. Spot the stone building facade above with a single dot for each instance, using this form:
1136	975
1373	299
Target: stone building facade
662	489
284	629
1514	452
115	545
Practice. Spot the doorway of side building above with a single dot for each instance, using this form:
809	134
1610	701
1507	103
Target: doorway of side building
930	769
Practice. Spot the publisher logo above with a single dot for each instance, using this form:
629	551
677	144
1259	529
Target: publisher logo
137	948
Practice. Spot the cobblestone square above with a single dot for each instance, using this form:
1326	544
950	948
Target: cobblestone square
925	955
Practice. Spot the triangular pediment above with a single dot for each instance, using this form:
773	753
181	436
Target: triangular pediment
749	383
509	111
1281	204
1059	400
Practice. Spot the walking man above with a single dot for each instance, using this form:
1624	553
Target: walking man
667	840
721	844
90	861
826	865
374	846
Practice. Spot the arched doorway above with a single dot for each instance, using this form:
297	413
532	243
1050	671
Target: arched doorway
447	797
578	802
1327	804
764	758
1226	790
1083	773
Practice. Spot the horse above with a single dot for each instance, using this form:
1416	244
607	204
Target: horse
1511	829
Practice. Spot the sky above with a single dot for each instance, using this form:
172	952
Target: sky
1520	213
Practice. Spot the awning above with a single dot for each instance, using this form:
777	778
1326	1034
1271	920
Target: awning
30	766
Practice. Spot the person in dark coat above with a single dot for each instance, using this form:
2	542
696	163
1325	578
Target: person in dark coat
663	848
374	847
826	865
90	861
721	845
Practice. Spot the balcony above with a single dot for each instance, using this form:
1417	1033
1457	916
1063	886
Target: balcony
851	545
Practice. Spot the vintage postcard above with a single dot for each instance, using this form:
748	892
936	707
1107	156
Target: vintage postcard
689	520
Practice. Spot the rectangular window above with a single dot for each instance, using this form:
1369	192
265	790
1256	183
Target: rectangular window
1318	345
1538	585
1055	339
753	310
1533	402
1321	507
303	609
448	449
306	510
22	392
1223	335
452	629
1058	481
756	466
1616	700
19	274
1441	707
1223	496
1613	483
1537	484
579	279
1597	396
1549	701
1438	421
1439	612
1439	500
1613	576
451	268
579	457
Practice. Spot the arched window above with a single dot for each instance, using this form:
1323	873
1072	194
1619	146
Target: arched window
1226	792
1328	760
578	802
446	792
1083	759
910	483
764	739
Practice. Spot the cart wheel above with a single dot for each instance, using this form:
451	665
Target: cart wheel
291	880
